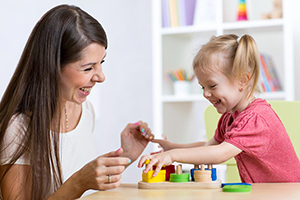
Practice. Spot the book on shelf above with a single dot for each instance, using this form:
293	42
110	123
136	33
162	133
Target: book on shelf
177	13
268	76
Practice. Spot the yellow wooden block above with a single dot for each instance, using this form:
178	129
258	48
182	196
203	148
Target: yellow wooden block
160	177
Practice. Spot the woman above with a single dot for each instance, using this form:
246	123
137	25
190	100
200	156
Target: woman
46	123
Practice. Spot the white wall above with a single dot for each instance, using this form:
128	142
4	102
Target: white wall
126	95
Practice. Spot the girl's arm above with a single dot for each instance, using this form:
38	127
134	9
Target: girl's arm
166	145
212	154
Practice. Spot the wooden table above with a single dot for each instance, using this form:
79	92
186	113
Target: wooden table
259	191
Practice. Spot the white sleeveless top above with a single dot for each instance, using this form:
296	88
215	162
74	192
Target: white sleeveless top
77	147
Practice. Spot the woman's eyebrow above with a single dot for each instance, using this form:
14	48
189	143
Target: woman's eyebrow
91	63
104	55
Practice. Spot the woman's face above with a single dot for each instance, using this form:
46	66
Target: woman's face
79	78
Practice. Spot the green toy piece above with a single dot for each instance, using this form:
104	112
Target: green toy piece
184	177
237	188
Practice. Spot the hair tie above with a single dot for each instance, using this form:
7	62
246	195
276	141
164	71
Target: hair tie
239	38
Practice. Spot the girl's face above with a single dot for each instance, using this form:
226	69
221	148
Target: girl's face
79	78
223	94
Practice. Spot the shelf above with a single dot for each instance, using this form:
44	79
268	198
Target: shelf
273	95
188	98
253	24
188	29
256	24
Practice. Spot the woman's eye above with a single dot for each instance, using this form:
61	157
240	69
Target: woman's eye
102	61
88	69
213	86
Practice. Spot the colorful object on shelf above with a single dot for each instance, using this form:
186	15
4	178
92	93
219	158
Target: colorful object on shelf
177	13
242	11
179	176
181	81
269	80
180	75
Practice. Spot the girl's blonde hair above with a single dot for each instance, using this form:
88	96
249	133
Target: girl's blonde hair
235	57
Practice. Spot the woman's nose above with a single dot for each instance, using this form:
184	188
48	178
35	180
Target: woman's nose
99	75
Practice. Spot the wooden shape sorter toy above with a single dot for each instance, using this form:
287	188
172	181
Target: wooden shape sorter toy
204	179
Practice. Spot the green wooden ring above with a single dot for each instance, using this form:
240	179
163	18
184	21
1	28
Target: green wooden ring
237	188
184	177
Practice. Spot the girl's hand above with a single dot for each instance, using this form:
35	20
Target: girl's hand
159	160
102	173
134	139
163	144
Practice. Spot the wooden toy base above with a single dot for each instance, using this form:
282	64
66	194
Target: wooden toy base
186	185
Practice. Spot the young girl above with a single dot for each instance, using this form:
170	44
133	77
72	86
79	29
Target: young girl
227	68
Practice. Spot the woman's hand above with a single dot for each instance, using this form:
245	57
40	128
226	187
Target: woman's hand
104	172
134	139
159	160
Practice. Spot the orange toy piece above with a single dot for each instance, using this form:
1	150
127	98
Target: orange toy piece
149	178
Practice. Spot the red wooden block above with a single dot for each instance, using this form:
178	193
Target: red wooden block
169	170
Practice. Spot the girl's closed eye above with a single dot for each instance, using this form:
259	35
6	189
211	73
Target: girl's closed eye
213	86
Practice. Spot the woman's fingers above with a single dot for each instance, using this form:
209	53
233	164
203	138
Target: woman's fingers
103	184
145	130
110	178
116	153
112	161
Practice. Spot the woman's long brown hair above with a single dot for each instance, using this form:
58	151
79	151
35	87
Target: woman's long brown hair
34	90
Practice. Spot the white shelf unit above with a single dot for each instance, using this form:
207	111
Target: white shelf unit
181	118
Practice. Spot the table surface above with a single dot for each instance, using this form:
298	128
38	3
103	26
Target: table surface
263	191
